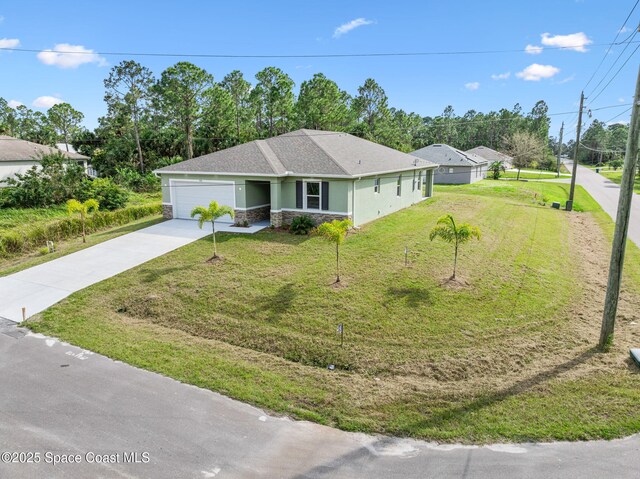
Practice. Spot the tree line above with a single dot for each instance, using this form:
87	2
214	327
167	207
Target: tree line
153	121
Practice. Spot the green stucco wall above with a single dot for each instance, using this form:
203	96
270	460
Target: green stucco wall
370	205
339	193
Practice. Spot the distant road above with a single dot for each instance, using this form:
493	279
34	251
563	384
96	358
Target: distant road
606	193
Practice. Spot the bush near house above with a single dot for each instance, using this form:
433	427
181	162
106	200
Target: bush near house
32	236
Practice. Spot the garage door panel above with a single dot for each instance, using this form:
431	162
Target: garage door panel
186	195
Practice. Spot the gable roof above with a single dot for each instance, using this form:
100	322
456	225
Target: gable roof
14	149
489	154
449	156
303	152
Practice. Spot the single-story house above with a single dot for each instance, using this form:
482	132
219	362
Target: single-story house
18	156
492	155
454	166
326	175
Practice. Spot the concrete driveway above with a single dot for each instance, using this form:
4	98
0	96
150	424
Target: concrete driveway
42	286
59	399
606	193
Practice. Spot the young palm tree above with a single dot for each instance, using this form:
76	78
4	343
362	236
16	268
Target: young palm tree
447	229
335	232
212	213
74	206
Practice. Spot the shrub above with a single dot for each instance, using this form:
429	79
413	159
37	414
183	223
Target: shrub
302	225
57	180
109	195
615	164
134	180
43	251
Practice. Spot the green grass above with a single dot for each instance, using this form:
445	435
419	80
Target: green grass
530	192
503	356
616	177
533	175
13	217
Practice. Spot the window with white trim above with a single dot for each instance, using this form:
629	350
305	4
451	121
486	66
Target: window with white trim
450	170
376	185
312	197
399	185
419	179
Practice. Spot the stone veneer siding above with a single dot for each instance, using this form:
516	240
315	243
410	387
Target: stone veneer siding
285	217
253	215
167	212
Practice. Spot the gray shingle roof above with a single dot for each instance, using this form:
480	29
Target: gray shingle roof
489	154
303	152
449	156
14	149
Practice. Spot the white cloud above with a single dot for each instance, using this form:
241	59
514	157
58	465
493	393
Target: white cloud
621	100
623	30
536	72
347	27
573	41
64	55
533	49
46	101
1	19
14	104
566	80
472	85
9	42
501	76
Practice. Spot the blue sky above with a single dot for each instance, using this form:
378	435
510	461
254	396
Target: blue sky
422	84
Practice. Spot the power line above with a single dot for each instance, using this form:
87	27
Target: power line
600	151
615	75
612	43
319	55
618	115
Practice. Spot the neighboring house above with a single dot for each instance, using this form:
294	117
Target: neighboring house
326	175
18	156
492	155
67	148
454	166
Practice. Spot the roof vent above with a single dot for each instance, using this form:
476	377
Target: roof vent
359	162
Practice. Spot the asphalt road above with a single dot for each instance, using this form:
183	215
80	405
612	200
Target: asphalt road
56	399
606	193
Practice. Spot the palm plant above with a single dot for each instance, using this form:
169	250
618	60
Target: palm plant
74	206
212	213
335	232
447	229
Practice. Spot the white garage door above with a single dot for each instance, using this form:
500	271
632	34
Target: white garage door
186	195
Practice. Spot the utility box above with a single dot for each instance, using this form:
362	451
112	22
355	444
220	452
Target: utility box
597	170
635	355
555	205
568	205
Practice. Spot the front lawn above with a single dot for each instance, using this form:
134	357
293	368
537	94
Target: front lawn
505	354
616	177
532	175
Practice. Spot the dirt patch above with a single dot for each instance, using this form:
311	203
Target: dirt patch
454	283
338	285
215	259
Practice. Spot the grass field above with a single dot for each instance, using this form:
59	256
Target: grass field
504	354
616	177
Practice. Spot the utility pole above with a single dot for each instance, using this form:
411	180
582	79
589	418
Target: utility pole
622	223
569	205
560	148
